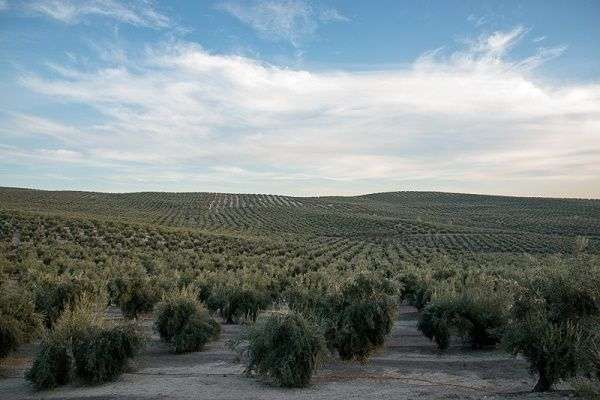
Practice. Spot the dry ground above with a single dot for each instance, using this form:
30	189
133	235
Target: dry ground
407	368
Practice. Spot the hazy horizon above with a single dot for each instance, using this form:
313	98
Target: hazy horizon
291	195
301	98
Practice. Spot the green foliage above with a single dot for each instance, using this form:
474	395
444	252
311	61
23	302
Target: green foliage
313	294
85	345
473	223
433	323
286	347
53	362
51	367
133	291
246	252
52	293
182	321
364	314
363	326
554	351
355	315
19	323
101	355
472	306
555	318
8	337
238	299
418	286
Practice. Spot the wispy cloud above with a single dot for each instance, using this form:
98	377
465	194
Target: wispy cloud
477	20
137	12
327	14
498	43
456	121
3	5
491	50
293	21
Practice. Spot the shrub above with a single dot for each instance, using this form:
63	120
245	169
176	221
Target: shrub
433	323
53	362
19	323
355	316
315	299
83	344
363	326
364	315
101	355
235	302
286	347
553	319
51	367
182	321
8	337
552	350
417	287
133	293
480	320
474	307
53	293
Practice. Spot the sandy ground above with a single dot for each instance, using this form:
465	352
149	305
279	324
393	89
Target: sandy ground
408	367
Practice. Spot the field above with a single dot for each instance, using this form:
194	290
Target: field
266	244
382	227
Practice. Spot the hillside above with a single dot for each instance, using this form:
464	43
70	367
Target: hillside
381	261
394	225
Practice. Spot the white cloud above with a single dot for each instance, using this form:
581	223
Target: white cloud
3	5
468	121
477	20
138	13
499	43
41	155
331	14
282	20
61	155
490	51
32	125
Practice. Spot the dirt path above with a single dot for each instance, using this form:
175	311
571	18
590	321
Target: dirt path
409	367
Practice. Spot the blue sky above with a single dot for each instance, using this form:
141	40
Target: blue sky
299	97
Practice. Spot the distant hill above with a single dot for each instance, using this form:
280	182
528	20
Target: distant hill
407	221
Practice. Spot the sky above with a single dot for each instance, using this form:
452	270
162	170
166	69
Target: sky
301	97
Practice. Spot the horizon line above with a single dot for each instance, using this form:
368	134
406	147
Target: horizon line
315	196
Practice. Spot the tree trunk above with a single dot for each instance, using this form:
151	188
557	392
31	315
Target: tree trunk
543	384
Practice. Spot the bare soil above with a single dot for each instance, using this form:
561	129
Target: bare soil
409	367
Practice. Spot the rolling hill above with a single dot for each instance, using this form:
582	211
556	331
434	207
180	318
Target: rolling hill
392	226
